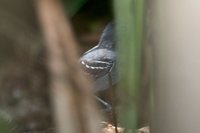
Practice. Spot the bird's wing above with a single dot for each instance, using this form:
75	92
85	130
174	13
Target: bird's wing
96	68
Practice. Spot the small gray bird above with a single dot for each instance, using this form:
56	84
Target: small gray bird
100	62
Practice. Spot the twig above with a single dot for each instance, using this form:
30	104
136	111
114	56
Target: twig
70	92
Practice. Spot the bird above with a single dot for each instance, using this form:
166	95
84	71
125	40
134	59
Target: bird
100	62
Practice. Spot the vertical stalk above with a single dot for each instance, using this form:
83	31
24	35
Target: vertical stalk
74	109
129	19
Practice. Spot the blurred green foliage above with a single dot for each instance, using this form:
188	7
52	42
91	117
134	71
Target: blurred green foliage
72	6
129	16
6	124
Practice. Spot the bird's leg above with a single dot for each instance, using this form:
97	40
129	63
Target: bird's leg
112	96
108	106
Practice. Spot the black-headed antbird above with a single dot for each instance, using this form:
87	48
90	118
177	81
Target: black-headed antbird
100	61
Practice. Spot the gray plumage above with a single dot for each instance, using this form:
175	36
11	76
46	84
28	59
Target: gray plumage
99	61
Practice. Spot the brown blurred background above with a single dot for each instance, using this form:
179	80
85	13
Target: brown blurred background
24	98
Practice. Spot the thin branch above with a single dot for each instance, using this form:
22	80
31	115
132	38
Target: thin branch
70	91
